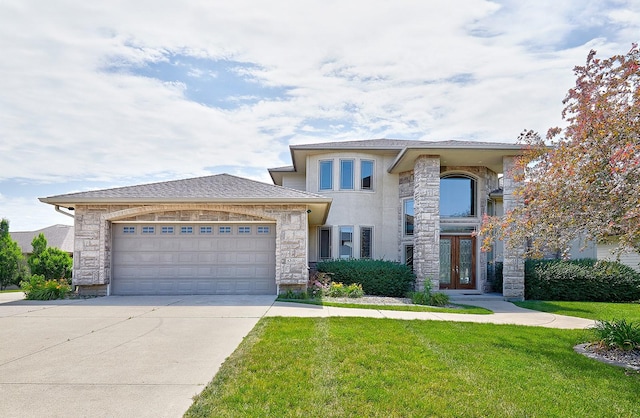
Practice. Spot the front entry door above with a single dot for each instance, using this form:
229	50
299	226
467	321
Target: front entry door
457	262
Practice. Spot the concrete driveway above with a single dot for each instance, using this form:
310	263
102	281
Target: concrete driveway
116	356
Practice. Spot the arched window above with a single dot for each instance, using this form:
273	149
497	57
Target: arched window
457	196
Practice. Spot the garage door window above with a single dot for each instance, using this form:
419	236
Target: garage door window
186	230
148	230
167	230
244	230
224	230
263	230
206	230
129	230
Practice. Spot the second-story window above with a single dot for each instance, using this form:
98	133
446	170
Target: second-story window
366	175
326	175
346	174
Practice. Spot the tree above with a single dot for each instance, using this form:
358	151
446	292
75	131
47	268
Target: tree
11	260
585	181
51	262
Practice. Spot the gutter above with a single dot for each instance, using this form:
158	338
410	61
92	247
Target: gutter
63	212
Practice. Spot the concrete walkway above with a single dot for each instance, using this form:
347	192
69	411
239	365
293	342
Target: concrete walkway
504	313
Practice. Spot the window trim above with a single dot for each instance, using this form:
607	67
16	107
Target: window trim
329	231
341	241
350	179
404	218
370	229
372	177
328	163
473	198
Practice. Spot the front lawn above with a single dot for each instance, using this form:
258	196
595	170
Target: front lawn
346	367
589	310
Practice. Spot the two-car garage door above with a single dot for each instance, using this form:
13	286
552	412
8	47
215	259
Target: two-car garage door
193	258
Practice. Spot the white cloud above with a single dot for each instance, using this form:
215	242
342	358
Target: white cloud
470	69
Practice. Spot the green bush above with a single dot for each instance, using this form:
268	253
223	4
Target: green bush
618	334
581	280
377	277
339	290
439	299
37	288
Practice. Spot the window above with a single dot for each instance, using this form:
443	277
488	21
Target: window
325	243
326	175
408	217
457	197
167	230
129	230
346	241
408	256
244	230
224	230
186	230
365	241
346	174
366	175
148	230
264	230
204	230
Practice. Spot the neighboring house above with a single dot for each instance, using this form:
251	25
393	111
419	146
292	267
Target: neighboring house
607	251
58	236
415	202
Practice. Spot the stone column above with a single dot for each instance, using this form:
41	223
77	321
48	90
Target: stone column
426	206
513	267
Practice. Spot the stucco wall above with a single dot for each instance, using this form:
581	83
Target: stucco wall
375	208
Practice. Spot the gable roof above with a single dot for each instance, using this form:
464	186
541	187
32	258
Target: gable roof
59	236
220	188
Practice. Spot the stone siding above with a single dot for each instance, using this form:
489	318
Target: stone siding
513	267
426	195
92	246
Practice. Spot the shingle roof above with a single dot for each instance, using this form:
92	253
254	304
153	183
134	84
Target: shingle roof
399	144
59	236
211	188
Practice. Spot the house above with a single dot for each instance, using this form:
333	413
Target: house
58	236
415	202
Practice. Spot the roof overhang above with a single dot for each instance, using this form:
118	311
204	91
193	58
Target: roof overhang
317	207
467	155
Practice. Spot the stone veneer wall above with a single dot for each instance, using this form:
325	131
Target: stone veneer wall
426	195
513	266
92	246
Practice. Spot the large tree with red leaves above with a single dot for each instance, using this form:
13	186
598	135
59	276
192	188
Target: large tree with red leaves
584	180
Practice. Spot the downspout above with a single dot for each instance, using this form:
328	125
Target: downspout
63	212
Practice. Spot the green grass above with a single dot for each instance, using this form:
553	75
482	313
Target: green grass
10	290
362	367
589	310
461	309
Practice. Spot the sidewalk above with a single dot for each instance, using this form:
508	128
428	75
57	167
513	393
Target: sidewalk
503	313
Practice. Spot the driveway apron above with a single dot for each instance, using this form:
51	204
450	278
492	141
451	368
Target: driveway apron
117	356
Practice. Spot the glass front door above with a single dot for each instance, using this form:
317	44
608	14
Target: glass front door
457	262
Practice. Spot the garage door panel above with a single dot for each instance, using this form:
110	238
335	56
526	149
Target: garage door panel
203	262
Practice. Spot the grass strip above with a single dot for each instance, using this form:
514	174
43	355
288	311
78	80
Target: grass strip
588	310
459	309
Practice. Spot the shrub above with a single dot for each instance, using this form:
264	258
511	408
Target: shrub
37	288
618	334
439	299
377	277
292	294
581	280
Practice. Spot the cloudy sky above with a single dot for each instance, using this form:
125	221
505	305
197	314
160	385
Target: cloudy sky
114	93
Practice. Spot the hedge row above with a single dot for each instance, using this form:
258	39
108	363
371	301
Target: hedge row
377	277
581	280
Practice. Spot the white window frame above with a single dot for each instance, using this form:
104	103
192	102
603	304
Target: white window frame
167	230
343	177
404	218
224	230
244	230
264	230
186	230
329	242
148	230
362	229
371	180
206	230
345	229
330	172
